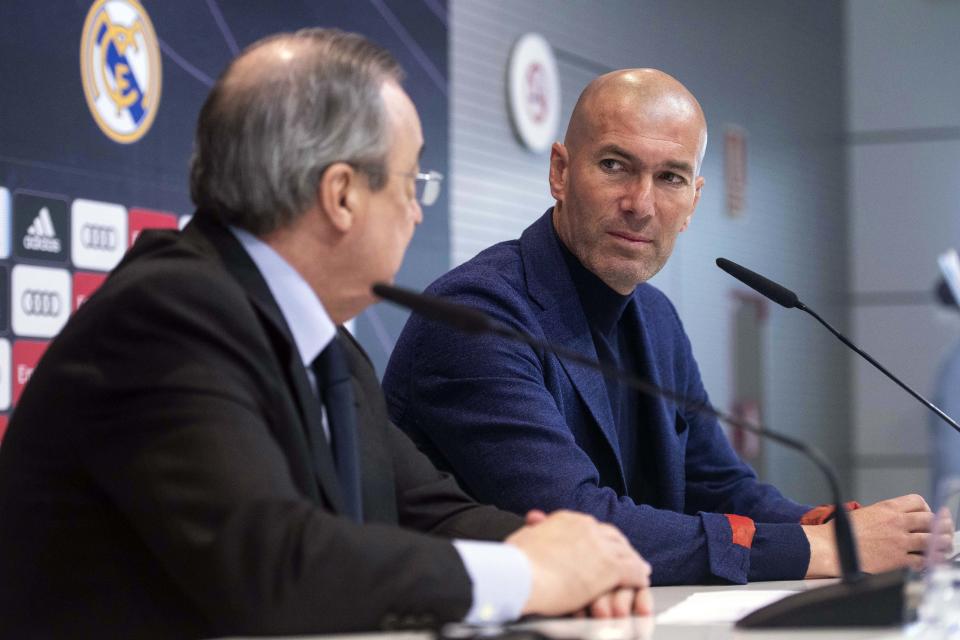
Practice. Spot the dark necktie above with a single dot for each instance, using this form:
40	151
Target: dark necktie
336	392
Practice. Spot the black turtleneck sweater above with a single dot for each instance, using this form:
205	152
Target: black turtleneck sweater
617	337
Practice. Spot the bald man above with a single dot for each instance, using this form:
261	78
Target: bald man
519	427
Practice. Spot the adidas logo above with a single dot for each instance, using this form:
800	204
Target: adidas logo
41	236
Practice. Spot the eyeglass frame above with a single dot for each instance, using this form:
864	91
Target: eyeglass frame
425	177
428	178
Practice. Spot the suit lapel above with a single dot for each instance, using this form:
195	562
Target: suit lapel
564	322
663	415
241	267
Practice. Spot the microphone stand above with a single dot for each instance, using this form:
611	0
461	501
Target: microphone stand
857	600
866	356
787	298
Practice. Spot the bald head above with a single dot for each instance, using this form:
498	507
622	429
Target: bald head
631	93
627	177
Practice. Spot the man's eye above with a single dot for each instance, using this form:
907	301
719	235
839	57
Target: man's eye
674	178
609	164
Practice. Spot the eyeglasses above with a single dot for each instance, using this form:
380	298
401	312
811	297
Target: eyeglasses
427	186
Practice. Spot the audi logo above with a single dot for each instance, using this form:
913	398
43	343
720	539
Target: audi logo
36	302
98	236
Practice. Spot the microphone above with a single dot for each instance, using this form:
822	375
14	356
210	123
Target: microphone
783	296
779	294
877	600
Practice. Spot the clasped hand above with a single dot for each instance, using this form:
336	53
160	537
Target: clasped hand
579	564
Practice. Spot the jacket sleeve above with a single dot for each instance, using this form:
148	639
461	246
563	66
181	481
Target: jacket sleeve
486	408
753	531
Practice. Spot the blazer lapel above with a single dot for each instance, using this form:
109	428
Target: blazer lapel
243	269
564	322
663	417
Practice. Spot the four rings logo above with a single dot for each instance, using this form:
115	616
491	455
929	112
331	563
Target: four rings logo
37	302
120	68
40	299
98	236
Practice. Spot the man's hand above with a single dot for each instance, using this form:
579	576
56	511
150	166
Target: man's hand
577	561
622	602
889	534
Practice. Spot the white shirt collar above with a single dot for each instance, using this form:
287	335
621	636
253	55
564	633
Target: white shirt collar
311	326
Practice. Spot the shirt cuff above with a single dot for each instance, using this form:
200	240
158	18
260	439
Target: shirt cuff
501	577
824	513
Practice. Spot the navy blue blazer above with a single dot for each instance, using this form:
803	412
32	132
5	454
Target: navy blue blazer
524	429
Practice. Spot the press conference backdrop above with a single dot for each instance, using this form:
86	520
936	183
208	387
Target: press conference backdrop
99	104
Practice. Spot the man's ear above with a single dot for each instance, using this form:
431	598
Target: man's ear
341	194
559	164
698	185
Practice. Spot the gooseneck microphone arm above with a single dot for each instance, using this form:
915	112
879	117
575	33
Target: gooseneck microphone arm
929	405
789	299
475	321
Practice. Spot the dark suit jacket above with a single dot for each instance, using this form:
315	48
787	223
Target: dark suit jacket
156	480
520	427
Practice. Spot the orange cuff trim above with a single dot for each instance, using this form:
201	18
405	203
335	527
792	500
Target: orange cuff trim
824	513
742	529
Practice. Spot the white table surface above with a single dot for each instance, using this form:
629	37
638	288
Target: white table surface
645	628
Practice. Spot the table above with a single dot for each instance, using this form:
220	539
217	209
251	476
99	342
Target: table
646	628
666	597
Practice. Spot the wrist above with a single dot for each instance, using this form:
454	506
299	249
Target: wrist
823	551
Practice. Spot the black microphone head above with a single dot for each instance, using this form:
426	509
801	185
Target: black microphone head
456	315
768	288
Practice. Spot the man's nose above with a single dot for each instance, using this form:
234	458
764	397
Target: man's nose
638	197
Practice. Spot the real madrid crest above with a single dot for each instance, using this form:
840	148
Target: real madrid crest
120	67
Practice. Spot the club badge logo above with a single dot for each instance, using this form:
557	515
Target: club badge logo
120	69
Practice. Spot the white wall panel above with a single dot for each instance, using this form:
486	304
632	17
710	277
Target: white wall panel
902	68
909	341
873	484
904	211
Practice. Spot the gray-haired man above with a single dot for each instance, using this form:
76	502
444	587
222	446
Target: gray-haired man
218	459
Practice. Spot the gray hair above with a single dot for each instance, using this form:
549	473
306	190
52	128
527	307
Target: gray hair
264	139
